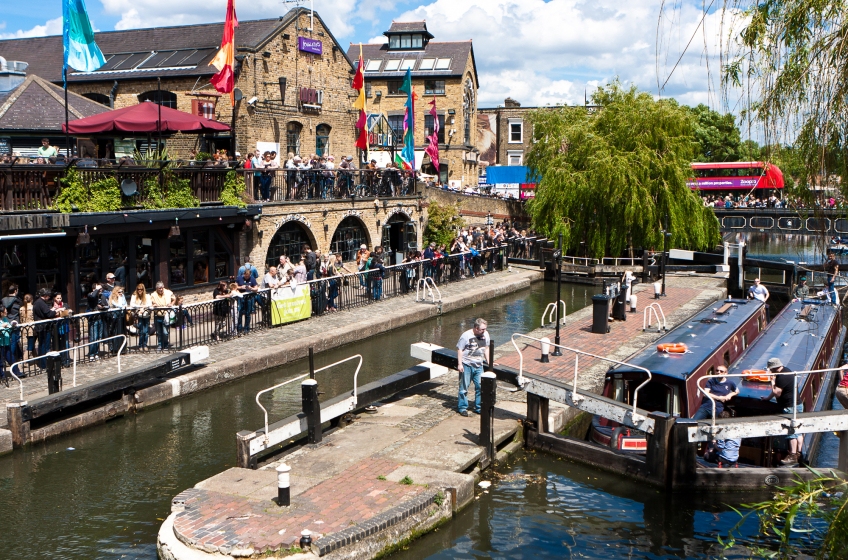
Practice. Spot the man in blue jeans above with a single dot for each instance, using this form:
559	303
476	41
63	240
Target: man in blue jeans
832	269
248	287
472	351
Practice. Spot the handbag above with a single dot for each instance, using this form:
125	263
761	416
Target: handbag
171	316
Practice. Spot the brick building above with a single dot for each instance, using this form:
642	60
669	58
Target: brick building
504	133
445	71
293	82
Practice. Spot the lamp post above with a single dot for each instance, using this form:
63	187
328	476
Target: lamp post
666	237
558	259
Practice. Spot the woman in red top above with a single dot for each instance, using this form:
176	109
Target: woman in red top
842	388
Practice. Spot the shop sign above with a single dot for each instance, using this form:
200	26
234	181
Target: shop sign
354	213
404	211
314	46
294	218
310	96
5	145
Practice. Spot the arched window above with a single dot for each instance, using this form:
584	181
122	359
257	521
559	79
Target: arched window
293	130
348	237
99	98
322	139
289	240
164	98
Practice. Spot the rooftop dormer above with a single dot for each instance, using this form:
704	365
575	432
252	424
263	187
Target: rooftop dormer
408	35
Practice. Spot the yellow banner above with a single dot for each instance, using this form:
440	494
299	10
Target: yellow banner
290	304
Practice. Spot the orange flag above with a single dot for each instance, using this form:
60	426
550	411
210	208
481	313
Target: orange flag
224	80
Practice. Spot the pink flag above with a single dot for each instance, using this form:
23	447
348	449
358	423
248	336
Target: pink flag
432	149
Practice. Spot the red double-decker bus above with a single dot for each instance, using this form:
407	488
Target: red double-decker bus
735	176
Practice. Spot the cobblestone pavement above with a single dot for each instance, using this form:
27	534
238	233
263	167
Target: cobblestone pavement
36	386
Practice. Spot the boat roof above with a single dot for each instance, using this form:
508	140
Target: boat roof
703	334
795	339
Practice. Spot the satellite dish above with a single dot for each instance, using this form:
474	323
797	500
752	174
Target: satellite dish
237	94
128	187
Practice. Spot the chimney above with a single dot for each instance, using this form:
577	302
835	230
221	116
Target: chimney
511	103
12	74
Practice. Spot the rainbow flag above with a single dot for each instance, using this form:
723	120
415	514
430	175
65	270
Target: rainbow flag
359	85
224	61
81	52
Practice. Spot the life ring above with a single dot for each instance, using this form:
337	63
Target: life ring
672	347
759	375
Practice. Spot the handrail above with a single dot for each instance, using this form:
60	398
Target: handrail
44	356
355	388
651	311
430	285
713	430
551	310
577	353
98	341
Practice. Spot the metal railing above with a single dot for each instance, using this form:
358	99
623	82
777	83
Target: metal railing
577	353
281	184
176	328
429	286
121	349
551	311
653	310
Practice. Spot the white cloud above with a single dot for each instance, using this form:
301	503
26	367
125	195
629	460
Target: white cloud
52	27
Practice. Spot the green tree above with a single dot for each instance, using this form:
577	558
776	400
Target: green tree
443	223
716	134
616	177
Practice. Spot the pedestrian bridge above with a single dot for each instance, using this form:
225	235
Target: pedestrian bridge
782	220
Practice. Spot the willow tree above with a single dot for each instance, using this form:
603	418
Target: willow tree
616	177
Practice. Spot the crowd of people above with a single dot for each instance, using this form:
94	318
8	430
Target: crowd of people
772	201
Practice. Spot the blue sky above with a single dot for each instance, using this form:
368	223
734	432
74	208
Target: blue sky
536	51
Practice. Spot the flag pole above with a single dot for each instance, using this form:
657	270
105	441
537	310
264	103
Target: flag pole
67	132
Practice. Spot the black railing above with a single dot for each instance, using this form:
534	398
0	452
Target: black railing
208	322
280	185
524	248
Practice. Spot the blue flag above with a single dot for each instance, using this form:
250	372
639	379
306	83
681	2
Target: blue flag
81	52
407	154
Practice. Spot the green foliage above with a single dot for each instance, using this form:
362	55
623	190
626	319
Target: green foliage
381	477
177	193
203	156
234	188
808	518
716	134
439	498
103	195
443	223
793	53
150	158
406	480
616	177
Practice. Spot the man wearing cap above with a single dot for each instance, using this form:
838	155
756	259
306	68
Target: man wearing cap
109	286
42	310
802	291
783	390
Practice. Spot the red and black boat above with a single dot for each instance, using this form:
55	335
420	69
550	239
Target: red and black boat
717	335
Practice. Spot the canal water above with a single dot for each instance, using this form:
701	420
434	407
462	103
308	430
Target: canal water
103	492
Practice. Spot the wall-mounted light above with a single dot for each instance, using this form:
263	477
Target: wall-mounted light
286	36
378	223
266	54
326	228
326	212
378	93
451	111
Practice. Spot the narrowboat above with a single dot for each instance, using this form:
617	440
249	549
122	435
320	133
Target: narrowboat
805	335
718	334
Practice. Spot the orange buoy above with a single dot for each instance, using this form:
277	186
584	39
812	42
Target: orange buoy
760	375
672	347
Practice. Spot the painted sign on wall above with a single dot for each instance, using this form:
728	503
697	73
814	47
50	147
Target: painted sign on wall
313	46
311	96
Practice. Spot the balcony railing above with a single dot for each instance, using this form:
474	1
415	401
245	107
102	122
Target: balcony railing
35	187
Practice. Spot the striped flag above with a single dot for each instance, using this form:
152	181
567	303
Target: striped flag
81	52
432	149
224	61
358	84
406	158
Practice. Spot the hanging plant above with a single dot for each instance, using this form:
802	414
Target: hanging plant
100	196
234	188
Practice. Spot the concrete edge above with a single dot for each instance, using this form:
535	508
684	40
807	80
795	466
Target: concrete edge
5	441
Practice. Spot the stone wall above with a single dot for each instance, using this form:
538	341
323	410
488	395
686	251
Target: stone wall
475	208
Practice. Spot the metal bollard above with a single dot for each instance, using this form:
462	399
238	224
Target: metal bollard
312	410
54	372
283	485
305	539
546	350
488	396
633	300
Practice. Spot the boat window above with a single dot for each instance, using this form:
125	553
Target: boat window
619	390
744	340
654	397
760	323
727	359
675	401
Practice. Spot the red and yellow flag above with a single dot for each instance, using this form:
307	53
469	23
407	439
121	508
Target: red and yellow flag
358	84
224	80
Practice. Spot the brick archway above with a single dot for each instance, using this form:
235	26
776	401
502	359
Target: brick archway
348	235
288	240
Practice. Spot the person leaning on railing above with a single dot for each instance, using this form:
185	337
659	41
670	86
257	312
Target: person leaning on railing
6	357
162	299
141	304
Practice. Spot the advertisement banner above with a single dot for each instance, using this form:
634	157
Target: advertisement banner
313	46
290	304
718	183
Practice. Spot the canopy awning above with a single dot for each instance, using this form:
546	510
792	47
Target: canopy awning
144	118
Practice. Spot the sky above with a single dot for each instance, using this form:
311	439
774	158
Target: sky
538	52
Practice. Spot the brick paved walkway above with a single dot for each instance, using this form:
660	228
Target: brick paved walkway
685	296
36	386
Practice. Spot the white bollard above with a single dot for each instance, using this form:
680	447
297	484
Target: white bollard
283	485
546	350
633	300
657	290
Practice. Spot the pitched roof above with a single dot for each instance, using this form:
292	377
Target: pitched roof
184	50
38	105
456	51
408	27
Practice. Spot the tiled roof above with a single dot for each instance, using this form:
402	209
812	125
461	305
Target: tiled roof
44	54
38	105
408	27
457	51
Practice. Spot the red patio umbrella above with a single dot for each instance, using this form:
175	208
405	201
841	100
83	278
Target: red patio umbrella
144	118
